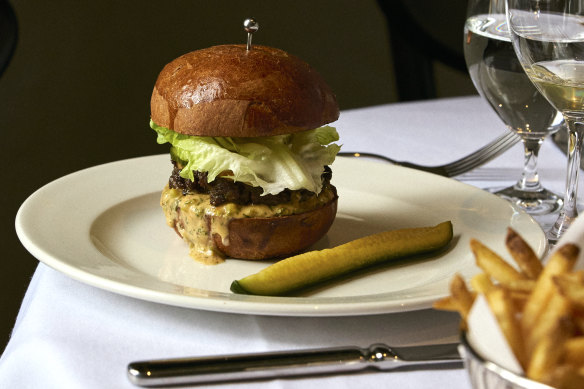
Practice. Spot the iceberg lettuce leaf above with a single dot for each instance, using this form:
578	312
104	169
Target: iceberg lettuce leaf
274	163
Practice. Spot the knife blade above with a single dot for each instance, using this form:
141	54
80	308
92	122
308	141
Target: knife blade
267	365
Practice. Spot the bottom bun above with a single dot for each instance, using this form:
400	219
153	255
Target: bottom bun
273	237
247	232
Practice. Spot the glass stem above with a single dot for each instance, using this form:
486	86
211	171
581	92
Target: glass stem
530	177
575	132
570	211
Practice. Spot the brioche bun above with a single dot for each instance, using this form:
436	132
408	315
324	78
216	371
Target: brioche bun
275	237
230	91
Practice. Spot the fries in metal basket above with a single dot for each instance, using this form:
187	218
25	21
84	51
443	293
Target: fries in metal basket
540	309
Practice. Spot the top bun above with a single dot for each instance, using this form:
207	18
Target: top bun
230	91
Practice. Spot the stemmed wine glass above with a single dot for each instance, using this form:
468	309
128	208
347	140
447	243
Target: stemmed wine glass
500	79
548	37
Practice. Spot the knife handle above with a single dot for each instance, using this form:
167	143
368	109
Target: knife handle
240	367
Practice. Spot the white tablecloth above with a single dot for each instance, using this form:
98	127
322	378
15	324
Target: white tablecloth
70	335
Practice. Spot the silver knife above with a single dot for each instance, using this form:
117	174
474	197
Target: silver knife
240	367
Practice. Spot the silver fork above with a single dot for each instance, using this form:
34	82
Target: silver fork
460	166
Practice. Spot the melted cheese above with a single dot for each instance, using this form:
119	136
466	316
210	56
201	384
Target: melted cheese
197	220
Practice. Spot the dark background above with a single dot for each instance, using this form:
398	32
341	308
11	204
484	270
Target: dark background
77	91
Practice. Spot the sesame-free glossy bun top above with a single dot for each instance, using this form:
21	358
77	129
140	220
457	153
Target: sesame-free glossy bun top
230	91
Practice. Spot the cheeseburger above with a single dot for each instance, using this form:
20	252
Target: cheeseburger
250	151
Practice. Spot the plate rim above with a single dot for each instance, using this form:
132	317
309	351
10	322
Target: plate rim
275	306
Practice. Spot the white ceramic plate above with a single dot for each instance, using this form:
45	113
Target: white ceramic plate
103	226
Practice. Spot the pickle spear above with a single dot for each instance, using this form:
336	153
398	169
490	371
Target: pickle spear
312	267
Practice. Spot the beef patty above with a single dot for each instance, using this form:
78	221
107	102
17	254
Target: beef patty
224	190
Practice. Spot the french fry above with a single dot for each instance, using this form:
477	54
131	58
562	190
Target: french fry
481	283
520	285
579	320
574	351
523	254
572	287
557	309
462	297
492	264
566	377
543	361
547	354
561	262
519	299
446	304
502	307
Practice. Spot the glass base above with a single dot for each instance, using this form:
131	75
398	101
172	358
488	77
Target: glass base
541	202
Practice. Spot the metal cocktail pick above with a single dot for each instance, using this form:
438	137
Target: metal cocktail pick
250	25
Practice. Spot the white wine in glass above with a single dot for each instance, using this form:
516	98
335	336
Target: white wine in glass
548	37
500	79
